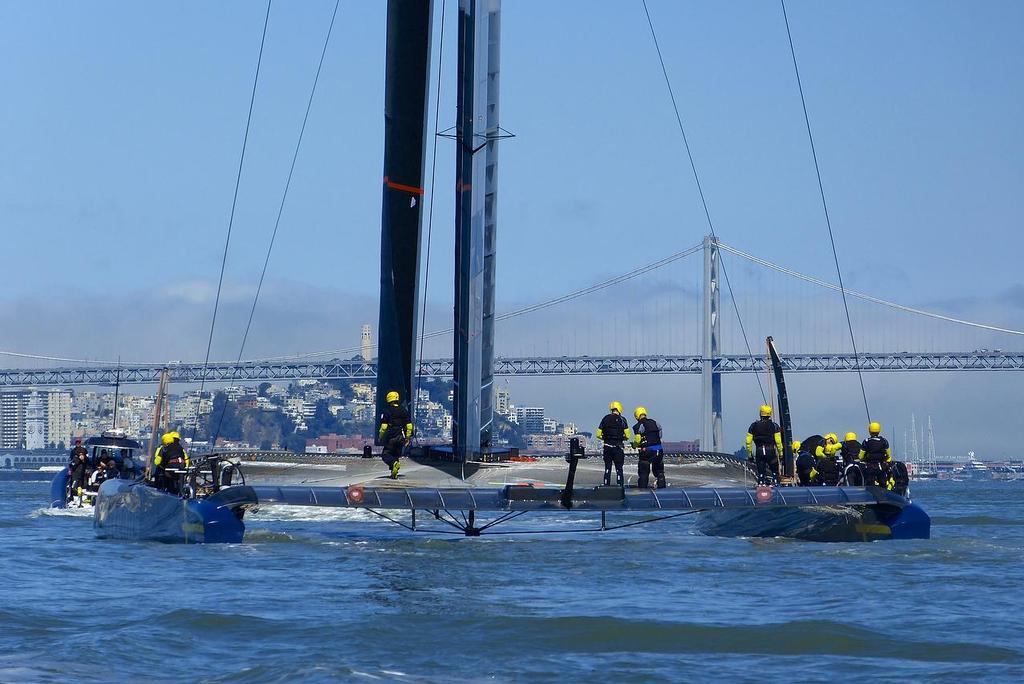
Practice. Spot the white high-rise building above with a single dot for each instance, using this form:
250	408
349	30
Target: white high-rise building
366	342
34	419
58	418
501	402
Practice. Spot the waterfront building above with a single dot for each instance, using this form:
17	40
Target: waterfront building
530	419
501	401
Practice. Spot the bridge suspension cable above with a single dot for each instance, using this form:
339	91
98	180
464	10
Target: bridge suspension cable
866	297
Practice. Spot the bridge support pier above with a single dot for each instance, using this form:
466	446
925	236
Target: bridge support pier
711	378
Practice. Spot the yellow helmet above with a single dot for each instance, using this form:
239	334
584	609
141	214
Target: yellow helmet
875	427
766	411
639	411
175	435
391	397
851	436
796	445
615	406
168	438
832	437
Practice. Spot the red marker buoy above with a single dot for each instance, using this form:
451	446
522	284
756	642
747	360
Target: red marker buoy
765	494
354	494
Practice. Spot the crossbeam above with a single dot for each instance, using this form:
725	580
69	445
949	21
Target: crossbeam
357	369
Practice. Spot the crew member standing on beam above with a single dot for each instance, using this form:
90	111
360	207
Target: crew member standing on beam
613	431
764	443
395	431
647	439
876	455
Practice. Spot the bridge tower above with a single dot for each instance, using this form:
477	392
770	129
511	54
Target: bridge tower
711	378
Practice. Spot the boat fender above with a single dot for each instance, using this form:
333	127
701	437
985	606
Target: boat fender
354	494
764	494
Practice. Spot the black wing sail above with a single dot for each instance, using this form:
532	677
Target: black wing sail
407	71
785	421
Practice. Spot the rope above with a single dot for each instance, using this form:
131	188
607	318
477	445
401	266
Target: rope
430	215
231	219
700	190
280	209
828	221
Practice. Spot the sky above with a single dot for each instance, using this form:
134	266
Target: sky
121	127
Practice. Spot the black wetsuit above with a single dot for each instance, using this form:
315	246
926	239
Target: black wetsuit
849	450
72	465
829	471
876	457
171	456
77	477
396	418
805	463
766	452
652	457
613	433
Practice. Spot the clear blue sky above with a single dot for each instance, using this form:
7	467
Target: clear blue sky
121	125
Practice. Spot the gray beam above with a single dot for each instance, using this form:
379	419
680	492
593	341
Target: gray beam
357	369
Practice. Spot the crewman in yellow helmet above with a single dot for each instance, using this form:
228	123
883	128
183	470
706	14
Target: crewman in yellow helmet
849	450
826	471
395	432
170	456
764	444
876	456
613	431
647	440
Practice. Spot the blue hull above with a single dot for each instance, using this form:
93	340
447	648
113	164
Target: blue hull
820	523
58	489
136	512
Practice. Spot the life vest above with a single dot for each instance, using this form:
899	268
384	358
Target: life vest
649	433
875	449
613	429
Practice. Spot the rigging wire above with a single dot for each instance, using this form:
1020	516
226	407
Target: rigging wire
430	214
700	189
231	219
280	209
824	206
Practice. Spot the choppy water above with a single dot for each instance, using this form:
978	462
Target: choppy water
313	596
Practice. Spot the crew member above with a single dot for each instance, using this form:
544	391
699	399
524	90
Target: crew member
805	463
764	443
170	456
77	477
177	440
75	451
613	431
647	439
814	447
826	471
849	450
395	431
876	456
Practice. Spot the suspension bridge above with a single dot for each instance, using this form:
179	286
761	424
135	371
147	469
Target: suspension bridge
693	321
